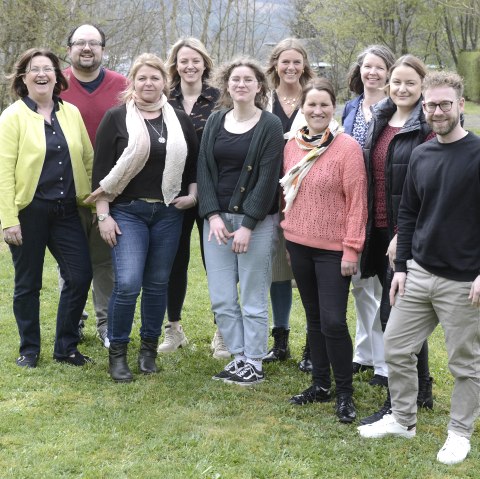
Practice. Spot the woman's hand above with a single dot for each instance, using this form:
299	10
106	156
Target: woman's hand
13	235
218	230
184	202
392	252
109	231
241	240
348	268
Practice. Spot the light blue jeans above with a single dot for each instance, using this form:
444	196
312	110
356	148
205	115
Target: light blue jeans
238	285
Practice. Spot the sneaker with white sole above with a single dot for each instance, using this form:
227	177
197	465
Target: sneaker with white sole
229	370
387	426
173	340
454	450
218	347
249	375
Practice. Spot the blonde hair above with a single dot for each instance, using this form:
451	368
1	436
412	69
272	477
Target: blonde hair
222	75
278	49
149	60
194	44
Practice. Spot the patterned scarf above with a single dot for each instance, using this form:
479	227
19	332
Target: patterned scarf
137	151
315	146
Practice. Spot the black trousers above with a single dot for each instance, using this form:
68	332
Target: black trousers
177	284
324	293
54	225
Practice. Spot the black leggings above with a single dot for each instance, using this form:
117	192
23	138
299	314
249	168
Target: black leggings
177	284
379	246
324	293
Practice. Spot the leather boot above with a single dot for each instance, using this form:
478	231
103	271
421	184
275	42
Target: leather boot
305	364
280	350
147	355
117	360
425	396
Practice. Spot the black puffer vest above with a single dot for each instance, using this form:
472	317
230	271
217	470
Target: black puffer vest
413	133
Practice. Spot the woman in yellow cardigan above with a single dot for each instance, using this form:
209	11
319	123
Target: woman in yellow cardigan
45	169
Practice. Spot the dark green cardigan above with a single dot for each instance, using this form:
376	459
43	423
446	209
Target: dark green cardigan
258	182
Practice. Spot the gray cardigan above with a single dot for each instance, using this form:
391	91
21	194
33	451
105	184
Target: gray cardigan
258	182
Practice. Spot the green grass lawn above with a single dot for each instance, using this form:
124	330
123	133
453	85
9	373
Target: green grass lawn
58	421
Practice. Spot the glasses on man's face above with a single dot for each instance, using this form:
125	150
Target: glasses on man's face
246	81
37	70
84	43
445	106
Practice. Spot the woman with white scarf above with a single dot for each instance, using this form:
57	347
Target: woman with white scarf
325	190
144	177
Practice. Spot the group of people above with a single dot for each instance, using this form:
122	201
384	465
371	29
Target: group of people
278	189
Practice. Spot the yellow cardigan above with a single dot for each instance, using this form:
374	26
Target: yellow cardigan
22	154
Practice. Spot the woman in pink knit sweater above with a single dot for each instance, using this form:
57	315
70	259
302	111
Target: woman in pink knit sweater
325	217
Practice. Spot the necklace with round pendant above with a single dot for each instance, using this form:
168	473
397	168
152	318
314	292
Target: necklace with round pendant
161	139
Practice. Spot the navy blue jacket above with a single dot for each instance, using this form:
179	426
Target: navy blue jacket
349	113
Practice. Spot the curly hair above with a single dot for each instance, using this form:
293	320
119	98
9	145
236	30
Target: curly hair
222	75
444	79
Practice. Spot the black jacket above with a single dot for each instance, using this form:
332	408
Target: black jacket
413	133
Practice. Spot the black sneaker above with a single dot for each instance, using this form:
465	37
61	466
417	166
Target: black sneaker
312	394
376	416
345	409
229	370
249	375
78	359
27	361
379	380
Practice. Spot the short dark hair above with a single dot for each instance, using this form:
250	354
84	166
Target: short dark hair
320	84
18	87
72	32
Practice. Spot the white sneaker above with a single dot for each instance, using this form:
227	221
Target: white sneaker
454	450
218	347
387	426
173	340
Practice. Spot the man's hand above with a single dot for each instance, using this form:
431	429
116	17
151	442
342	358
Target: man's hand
474	295
398	284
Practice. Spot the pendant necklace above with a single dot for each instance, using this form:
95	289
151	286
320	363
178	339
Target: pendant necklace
161	139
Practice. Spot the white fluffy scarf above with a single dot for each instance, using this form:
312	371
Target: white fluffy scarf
137	151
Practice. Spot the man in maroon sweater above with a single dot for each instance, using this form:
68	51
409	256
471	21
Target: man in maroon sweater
93	90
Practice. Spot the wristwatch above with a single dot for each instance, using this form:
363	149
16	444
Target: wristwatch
103	216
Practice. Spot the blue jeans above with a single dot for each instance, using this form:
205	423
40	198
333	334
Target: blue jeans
142	260
54	225
242	321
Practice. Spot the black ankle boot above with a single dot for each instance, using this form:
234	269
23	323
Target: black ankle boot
425	396
280	350
305	364
118	366
147	355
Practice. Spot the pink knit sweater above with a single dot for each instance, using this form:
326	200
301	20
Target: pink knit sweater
330	210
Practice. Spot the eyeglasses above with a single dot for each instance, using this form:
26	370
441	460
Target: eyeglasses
84	43
37	70
445	106
246	81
